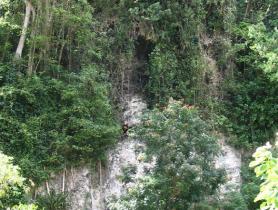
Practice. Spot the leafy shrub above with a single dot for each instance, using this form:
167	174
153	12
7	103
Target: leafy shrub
251	99
53	201
162	69
233	201
49	122
25	207
12	186
127	173
250	185
266	167
252	110
184	149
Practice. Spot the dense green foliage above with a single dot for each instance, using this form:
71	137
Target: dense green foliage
250	105
266	167
252	94
52	201
250	187
12	187
174	63
184	149
48	122
172	34
59	96
62	115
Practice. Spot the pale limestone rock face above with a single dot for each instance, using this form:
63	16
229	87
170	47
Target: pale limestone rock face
91	188
230	160
127	153
79	185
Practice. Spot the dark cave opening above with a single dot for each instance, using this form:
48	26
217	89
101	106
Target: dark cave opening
143	49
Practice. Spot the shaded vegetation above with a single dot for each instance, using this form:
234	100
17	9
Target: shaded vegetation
59	98
184	150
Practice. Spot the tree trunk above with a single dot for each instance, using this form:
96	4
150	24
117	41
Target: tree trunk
64	180
100	173
248	7
22	39
32	53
